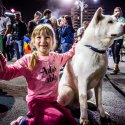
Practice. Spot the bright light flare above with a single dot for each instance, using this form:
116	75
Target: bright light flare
95	1
67	1
76	2
12	10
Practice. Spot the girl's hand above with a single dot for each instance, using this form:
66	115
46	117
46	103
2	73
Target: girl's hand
116	14
2	56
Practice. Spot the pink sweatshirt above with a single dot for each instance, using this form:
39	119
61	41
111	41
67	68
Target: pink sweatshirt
43	81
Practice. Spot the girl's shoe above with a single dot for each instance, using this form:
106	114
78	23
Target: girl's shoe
19	121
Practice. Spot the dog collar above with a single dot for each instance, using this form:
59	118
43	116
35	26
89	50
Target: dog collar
95	49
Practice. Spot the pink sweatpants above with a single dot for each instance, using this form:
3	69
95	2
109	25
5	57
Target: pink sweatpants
49	113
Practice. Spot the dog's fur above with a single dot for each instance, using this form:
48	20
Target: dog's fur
87	68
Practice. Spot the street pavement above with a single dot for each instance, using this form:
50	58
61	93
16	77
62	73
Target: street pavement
13	104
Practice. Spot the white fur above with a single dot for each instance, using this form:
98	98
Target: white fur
87	68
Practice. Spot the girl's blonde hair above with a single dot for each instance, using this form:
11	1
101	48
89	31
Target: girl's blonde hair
47	28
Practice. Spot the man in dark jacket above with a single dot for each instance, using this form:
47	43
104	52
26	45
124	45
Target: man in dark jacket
19	30
32	23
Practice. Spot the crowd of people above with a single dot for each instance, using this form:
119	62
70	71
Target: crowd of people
14	31
46	34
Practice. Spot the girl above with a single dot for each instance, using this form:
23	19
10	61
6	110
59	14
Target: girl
66	33
41	70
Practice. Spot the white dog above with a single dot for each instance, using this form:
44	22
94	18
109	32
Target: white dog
88	66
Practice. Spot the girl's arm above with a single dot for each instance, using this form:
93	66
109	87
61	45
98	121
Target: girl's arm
63	58
12	71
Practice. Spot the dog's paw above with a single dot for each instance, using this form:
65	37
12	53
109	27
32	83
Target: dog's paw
106	115
84	121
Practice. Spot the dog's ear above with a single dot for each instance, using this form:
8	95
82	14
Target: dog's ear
98	15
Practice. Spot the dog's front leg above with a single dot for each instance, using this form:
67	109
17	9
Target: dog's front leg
82	87
98	96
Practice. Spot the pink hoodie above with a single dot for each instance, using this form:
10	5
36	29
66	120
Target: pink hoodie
42	82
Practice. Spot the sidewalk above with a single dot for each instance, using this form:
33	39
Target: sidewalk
119	79
12	99
13	104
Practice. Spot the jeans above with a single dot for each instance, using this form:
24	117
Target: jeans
116	47
1	43
65	47
19	49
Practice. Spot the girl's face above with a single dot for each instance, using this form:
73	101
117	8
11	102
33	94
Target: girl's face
65	21
37	18
43	43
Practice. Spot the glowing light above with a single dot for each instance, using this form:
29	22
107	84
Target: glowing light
67	1
95	1
12	10
76	2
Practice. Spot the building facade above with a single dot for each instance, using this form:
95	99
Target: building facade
87	15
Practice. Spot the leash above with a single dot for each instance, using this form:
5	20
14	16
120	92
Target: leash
114	85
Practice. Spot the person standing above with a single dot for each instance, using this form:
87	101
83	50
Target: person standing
5	25
10	46
66	33
81	30
46	17
32	23
118	42
19	30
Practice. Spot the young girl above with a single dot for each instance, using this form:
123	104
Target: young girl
41	70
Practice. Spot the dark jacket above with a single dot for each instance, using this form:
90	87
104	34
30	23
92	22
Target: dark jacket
44	20
67	34
31	25
19	30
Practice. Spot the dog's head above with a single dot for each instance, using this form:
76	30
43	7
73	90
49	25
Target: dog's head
104	28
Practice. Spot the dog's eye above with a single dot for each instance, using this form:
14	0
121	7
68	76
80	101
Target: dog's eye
110	21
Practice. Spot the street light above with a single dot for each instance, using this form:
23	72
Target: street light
67	1
95	1
82	5
12	10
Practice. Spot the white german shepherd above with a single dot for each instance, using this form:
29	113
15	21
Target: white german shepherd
88	66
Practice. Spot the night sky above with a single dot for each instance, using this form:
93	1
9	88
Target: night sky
29	7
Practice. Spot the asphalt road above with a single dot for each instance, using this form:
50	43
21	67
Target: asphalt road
13	104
